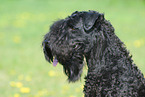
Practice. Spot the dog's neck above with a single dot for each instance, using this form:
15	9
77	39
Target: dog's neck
94	61
105	41
107	50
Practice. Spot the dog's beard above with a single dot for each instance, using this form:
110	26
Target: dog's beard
73	67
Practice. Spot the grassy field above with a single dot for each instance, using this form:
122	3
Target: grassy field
23	23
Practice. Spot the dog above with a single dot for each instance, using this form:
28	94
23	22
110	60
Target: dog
87	34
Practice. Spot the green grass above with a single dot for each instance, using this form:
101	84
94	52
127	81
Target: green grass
23	23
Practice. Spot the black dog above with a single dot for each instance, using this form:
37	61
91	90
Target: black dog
111	72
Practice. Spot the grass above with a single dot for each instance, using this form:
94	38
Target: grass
23	23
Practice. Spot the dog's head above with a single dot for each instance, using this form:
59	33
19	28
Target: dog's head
70	39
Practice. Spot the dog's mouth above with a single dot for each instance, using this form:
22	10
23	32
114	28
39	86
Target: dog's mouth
55	62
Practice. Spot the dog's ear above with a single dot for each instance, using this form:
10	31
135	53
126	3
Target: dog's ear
47	51
90	19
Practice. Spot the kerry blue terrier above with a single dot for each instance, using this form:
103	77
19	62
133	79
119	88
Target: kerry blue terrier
111	71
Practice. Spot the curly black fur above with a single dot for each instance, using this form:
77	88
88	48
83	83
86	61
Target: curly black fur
111	72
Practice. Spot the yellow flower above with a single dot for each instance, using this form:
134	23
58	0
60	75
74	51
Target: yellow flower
16	39
16	84
16	95
51	73
12	84
138	43
19	84
25	90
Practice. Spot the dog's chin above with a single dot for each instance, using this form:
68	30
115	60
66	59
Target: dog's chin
73	72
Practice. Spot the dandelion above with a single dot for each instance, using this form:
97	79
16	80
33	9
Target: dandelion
16	95
16	39
19	84
25	90
138	43
51	73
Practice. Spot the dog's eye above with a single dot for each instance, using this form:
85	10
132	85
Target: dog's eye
73	29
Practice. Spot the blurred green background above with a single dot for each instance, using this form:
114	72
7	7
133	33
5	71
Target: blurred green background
23	23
